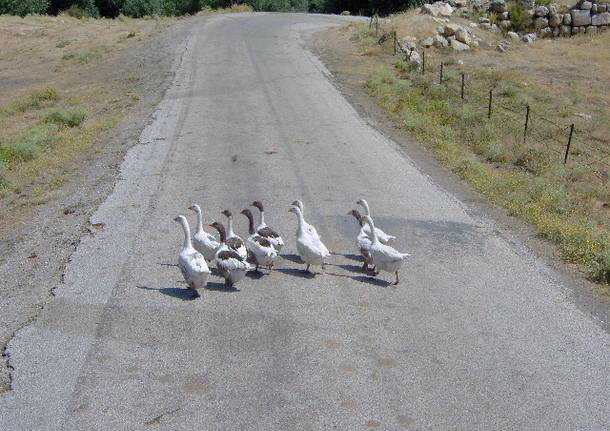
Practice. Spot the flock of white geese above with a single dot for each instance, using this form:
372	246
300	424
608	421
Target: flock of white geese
230	252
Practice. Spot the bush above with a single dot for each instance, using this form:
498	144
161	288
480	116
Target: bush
36	99
3	169
141	8
519	18
35	140
71	117
24	7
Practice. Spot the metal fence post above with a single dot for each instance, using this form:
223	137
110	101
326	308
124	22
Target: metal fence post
527	120
565	157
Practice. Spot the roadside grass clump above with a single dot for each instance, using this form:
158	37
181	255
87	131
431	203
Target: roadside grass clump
71	116
85	56
490	155
36	99
34	140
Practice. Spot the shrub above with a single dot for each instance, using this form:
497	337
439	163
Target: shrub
3	169
345	12
35	140
71	116
24	7
141	8
519	17
36	99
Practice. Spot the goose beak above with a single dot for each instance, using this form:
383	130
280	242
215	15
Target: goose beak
191	208
175	219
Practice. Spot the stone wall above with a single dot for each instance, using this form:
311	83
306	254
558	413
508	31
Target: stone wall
586	17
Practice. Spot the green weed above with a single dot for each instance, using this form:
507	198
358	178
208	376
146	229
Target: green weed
70	116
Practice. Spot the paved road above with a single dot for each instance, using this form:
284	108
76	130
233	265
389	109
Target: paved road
479	335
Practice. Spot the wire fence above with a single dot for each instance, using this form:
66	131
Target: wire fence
569	142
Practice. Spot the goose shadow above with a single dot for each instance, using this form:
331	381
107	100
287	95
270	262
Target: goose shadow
220	287
349	256
292	258
167	264
371	280
174	292
296	272
351	268
256	274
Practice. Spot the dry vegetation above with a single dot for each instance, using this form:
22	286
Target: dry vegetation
559	79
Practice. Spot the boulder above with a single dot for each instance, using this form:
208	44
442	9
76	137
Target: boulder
463	36
594	8
498	6
602	8
527	4
505	25
440	42
529	38
459	46
475	44
450	29
552	8
580	17
502	47
483	19
601	19
437	9
486	26
503	15
541	22
461	3
427	42
513	36
545	32
494	27
565	30
556	31
480	5
406	46
542	11
414	58
555	20
586	5
567	19
591	29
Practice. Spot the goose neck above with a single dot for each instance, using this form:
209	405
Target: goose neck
230	232
369	221
199	218
187	234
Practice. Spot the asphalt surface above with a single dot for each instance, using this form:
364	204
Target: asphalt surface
479	335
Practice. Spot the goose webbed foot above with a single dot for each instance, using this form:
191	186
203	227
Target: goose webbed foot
396	282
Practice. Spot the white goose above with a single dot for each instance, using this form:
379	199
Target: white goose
233	240
310	248
363	242
203	242
265	231
384	257
384	238
231	264
192	263
309	228
261	249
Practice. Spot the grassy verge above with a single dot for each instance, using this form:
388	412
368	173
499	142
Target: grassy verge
566	203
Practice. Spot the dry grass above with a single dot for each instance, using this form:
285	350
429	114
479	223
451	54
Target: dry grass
567	204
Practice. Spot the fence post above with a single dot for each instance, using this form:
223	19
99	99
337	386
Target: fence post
423	61
565	158
527	120
395	42
371	22
491	92
440	79
376	26
462	90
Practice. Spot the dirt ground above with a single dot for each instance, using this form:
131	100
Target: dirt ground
37	238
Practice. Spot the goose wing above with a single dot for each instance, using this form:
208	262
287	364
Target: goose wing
230	260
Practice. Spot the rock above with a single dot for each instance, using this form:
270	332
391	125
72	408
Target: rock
586	5
459	46
541	22
545	32
498	6
601	19
555	20
591	29
602	8
483	19
450	38
502	48
505	25
494	27
461	3
437	9
463	36
529	38
565	30
440	42
567	19
580	17
475	44
556	32
542	11
414	58
406	46
527	4
486	26
503	16
552	8
450	29
480	5
460	63
583	115
513	36
594	9
427	42
462	11
473	24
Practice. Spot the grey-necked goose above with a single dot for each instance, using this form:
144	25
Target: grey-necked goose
233	240
228	261
192	264
363	242
265	231
384	238
260	247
